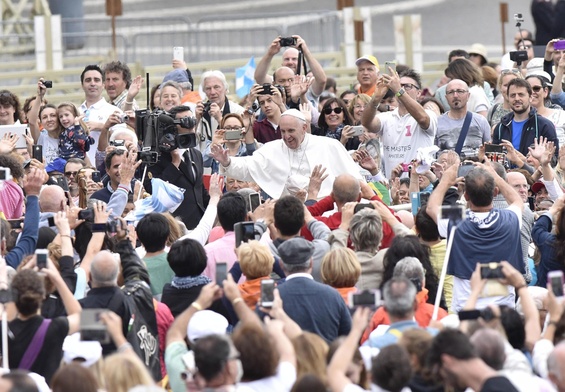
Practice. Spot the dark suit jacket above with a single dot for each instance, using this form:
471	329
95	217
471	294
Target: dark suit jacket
315	307
195	196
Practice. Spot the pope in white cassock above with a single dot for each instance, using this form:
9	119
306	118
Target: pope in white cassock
297	153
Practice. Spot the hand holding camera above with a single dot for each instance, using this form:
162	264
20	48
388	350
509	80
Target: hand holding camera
347	212
41	88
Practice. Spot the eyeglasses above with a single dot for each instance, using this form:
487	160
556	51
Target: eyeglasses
524	47
537	89
359	106
69	173
337	110
409	86
458	92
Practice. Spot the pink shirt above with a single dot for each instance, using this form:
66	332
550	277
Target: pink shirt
223	251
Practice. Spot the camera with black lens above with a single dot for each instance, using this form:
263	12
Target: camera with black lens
187	122
112	226
519	56
124	117
287	41
207	106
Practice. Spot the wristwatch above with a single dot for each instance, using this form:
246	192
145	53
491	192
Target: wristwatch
400	92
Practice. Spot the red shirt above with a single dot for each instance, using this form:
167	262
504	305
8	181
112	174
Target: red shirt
333	221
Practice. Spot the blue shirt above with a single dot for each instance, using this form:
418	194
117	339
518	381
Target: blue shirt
517	127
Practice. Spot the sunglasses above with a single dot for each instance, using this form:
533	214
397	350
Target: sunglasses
510	71
337	110
537	89
71	173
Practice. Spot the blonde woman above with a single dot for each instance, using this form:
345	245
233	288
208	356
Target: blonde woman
341	270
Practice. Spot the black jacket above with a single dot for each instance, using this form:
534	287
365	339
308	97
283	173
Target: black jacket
196	196
534	127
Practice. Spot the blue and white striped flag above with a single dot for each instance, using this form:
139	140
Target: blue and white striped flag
244	78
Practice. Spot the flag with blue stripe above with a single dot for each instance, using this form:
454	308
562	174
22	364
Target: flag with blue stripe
244	78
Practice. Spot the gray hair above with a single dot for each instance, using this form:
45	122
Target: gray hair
123	131
409	268
104	270
171	83
399	296
214	74
366	230
489	345
538	294
296	268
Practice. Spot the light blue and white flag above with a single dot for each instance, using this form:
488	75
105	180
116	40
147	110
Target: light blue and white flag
244	78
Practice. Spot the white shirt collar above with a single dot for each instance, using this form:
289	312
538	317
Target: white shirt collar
300	275
97	105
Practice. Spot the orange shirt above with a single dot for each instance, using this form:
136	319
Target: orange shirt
423	315
369	92
344	292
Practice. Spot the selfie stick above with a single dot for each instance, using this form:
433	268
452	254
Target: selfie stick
443	272
142	182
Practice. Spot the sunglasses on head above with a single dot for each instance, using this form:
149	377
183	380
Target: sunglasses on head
337	110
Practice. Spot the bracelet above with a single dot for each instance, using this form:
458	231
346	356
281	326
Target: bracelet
196	305
65	235
128	103
124	347
98	227
237	300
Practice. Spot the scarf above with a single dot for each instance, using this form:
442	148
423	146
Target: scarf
188	282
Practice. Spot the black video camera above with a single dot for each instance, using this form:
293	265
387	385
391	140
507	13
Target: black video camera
519	56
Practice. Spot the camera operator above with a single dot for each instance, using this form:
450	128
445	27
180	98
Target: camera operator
183	167
291	58
209	113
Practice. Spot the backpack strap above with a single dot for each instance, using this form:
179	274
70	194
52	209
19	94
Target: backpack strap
463	134
35	346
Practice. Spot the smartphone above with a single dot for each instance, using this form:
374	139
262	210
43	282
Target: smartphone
390	64
559	45
465	168
178	53
232	135
365	298
267	293
531	203
221	272
96	176
360	206
41	258
62	182
424	197
86	214
15	223
37	152
494	149
5	174
254	201
244	231
491	271
51	221
454	213
92	328
358	130
555	278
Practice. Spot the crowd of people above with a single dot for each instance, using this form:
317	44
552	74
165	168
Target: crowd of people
389	237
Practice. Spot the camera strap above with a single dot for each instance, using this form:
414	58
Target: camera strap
463	134
301	62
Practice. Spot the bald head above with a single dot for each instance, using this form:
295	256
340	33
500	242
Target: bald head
518	181
104	270
489	344
556	366
290	59
52	199
346	189
457	94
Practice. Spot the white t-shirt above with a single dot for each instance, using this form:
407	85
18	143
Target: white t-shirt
50	146
478	101
282	381
401	137
99	112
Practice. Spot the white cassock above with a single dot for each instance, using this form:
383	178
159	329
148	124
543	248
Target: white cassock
271	165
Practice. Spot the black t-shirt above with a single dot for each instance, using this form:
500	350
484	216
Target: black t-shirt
498	384
49	358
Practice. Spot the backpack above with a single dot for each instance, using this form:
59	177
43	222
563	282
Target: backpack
142	327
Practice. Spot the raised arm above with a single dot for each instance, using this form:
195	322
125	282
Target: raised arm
33	115
320	76
412	106
448	179
265	62
369	119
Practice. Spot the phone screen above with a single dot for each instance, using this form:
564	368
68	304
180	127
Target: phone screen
556	281
267	292
221	272
41	258
254	201
454	213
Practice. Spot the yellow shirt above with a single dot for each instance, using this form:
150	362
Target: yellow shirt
437	256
